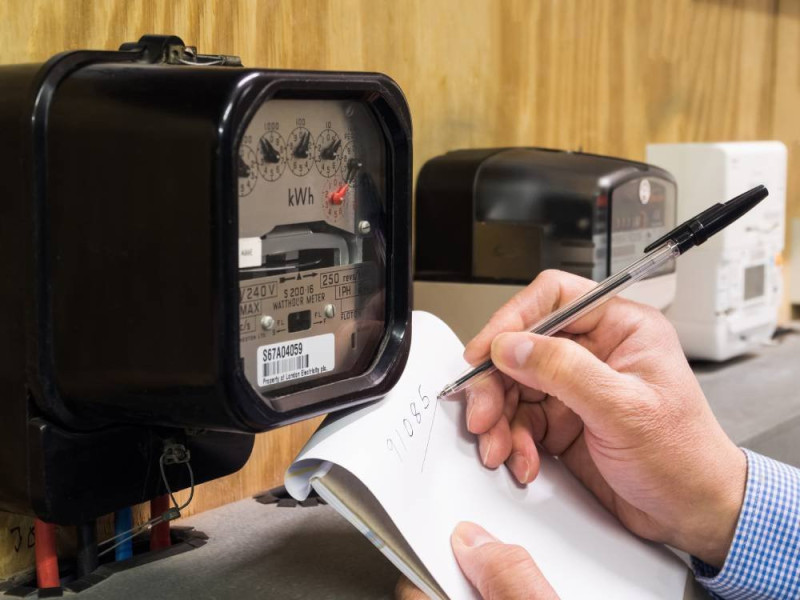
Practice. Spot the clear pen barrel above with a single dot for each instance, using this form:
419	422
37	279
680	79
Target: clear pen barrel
573	311
606	290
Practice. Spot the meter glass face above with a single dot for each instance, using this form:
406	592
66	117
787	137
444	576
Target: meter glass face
642	211
312	246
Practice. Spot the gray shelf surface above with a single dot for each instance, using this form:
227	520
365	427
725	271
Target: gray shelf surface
261	552
756	398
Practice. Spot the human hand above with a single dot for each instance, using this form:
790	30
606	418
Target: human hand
614	398
498	571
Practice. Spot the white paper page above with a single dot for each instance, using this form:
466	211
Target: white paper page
417	458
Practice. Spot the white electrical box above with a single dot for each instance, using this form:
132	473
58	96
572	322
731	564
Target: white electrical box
729	289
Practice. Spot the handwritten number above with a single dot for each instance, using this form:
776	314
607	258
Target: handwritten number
426	402
17	533
408	424
31	537
390	445
415	413
399	437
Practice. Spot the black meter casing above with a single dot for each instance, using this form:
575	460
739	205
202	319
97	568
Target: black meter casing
119	312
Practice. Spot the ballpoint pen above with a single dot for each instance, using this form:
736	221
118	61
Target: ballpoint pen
687	235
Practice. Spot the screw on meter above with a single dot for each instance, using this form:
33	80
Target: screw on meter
312	276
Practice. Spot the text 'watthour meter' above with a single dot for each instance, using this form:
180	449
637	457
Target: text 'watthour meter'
194	250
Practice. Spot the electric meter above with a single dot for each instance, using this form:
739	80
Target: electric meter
192	248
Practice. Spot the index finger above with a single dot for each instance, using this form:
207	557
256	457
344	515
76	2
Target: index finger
548	292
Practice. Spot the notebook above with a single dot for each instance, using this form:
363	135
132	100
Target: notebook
405	471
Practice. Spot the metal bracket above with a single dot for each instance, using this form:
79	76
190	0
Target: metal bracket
187	55
175	454
171	50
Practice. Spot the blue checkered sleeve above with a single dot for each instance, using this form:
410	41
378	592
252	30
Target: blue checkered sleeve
764	558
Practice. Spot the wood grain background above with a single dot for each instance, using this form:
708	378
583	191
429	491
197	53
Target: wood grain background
607	76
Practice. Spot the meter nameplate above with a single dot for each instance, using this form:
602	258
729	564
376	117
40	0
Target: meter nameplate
295	359
340	300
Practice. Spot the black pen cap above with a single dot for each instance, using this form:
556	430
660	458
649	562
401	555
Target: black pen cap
699	228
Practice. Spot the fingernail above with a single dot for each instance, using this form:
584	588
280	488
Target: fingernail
469	350
520	467
512	349
472	535
485	444
467	353
472	402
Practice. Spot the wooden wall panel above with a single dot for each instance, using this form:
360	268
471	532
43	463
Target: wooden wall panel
786	107
16	544
607	76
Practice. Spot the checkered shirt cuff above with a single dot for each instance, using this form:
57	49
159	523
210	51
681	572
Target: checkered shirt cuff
764	558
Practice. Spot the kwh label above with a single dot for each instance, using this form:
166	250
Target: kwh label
300	196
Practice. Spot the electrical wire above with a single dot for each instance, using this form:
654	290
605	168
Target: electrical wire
160	537
199	63
86	552
133	533
169	489
123	521
169	515
46	556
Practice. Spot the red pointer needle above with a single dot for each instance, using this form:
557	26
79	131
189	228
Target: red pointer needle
337	197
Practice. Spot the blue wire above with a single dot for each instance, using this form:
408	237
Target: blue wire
123	522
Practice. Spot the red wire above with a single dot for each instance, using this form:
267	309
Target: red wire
46	555
159	534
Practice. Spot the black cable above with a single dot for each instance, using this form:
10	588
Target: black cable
86	556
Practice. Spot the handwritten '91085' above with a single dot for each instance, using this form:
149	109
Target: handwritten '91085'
411	424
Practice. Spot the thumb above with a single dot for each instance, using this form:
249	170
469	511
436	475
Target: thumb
566	370
498	571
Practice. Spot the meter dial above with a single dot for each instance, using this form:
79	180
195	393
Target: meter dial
351	165
300	151
271	155
338	197
328	154
247	170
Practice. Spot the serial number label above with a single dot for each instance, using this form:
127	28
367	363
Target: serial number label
295	359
